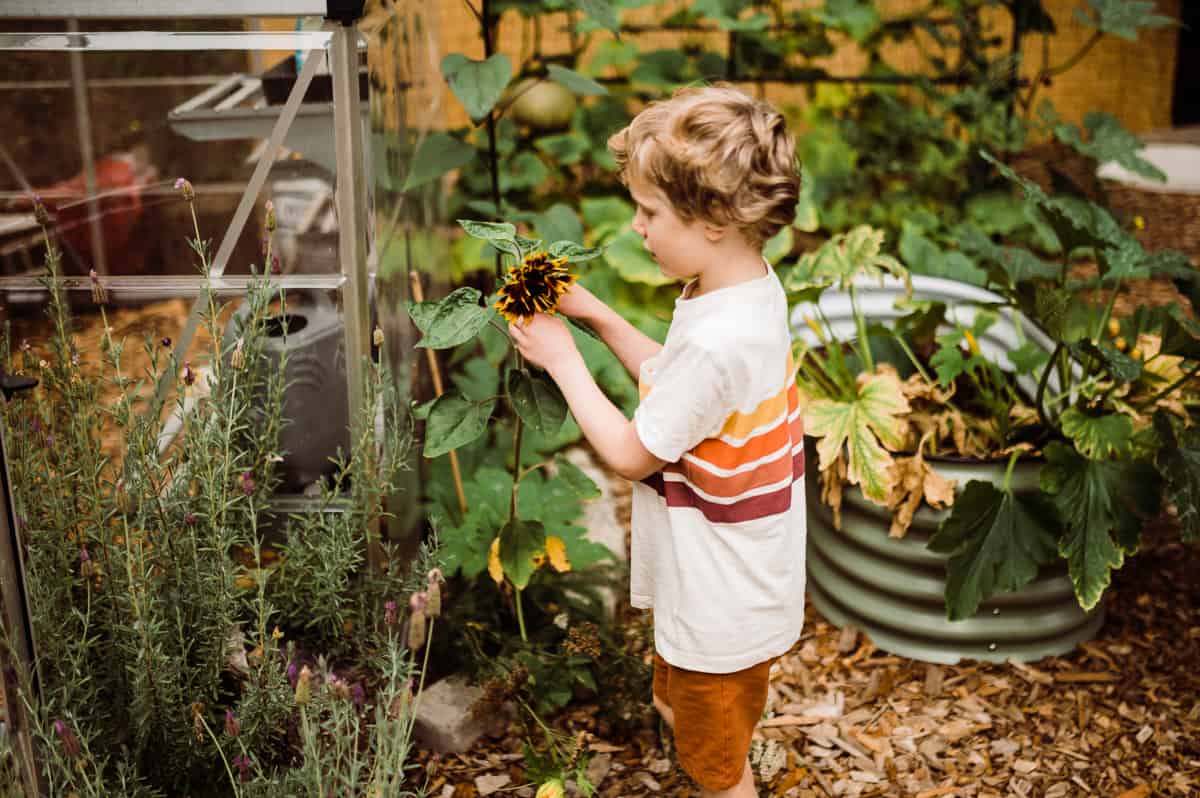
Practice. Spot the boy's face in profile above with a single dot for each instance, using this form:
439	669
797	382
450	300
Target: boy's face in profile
680	248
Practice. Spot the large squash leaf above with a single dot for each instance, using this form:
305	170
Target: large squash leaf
864	426
1096	500
996	542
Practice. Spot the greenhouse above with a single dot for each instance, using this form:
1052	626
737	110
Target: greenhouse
611	398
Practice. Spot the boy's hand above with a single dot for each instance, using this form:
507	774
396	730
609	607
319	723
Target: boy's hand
578	302
544	341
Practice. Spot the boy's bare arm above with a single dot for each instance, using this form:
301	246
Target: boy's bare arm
546	342
628	343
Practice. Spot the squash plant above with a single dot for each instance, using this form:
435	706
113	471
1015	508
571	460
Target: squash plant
1116	436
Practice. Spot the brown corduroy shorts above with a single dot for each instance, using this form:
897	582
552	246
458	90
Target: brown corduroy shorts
715	716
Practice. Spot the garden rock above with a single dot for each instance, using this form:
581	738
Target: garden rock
445	721
600	516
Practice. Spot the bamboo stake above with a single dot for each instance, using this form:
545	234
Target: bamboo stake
419	296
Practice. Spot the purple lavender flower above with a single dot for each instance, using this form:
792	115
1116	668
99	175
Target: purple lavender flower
358	695
389	613
293	672
185	189
166	341
232	727
70	742
243	764
190	519
40	214
247	483
275	267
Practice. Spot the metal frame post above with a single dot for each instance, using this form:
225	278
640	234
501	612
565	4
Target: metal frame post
83	126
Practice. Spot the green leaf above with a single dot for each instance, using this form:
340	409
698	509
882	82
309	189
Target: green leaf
477	84
1097	437
537	400
948	360
1122	17
1114	361
450	321
1085	492
843	258
1179	333
559	223
566	148
1108	141
602	12
520	542
874	416
1178	461
438	154
489	231
1028	358
859	18
574	253
779	246
996	543
576	479
478	380
464	548
627	254
454	422
580	84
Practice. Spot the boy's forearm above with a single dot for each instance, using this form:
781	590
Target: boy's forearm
628	343
606	428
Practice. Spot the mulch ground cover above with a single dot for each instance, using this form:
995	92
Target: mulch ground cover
1118	717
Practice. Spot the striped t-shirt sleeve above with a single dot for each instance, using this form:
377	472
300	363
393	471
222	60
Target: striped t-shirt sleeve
689	400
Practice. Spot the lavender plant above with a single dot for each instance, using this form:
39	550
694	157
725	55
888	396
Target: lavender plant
163	624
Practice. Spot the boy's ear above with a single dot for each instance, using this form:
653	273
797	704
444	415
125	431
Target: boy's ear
713	233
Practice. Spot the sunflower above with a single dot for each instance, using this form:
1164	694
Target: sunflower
534	286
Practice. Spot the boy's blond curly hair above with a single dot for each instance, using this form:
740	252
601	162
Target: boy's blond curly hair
719	156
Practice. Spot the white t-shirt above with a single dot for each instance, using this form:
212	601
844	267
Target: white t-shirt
718	534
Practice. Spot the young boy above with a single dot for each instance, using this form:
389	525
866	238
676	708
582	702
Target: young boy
715	448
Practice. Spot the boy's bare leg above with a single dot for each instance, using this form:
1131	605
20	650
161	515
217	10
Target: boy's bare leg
743	789
667	713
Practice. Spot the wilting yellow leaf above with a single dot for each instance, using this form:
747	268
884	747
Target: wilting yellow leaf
916	482
832	480
495	569
556	550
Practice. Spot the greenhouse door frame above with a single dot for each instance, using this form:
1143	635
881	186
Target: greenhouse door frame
350	200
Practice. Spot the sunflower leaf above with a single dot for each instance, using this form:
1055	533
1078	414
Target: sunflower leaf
996	541
453	422
450	321
520	542
574	253
489	231
574	477
865	426
537	400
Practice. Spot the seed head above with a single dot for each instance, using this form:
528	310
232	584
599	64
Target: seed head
271	221
40	214
416	621
377	337
238	358
99	295
433	594
188	374
303	686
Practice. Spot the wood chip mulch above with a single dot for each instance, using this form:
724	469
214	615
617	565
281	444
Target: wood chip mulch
1119	717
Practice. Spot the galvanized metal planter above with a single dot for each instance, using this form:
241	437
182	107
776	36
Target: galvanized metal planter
894	589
